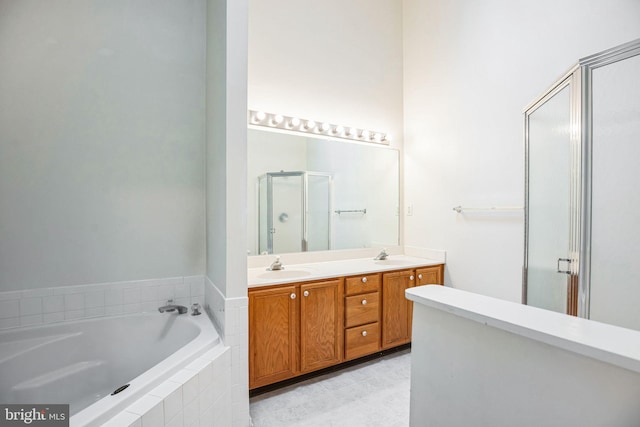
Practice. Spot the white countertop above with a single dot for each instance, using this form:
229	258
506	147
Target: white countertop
323	270
600	341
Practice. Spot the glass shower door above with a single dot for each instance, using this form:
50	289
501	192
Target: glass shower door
548	200
287	212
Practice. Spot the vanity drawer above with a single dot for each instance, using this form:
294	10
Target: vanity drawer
361	309
361	284
362	340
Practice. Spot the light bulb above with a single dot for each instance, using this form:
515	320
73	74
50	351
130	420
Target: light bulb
260	116
309	125
351	132
377	137
325	127
276	120
338	130
386	137
294	122
364	134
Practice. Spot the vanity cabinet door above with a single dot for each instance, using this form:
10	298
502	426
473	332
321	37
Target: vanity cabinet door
433	275
273	335
321	324
396	309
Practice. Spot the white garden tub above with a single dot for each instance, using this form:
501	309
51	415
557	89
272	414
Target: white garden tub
81	363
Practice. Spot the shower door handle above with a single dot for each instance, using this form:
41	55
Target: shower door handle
568	261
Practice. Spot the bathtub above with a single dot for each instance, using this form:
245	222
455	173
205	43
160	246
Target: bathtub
81	363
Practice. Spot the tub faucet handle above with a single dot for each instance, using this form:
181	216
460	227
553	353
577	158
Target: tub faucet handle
195	309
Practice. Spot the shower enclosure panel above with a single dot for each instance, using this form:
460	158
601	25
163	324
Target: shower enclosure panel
614	235
294	212
581	175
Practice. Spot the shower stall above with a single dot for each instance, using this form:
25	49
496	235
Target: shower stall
582	153
294	212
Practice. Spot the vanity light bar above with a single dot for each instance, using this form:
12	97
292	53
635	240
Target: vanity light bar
295	124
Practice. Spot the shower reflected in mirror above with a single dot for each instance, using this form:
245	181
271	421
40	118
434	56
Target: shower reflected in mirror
317	194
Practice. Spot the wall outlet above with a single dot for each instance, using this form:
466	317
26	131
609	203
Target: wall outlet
410	210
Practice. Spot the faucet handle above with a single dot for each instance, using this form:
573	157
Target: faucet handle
195	309
169	301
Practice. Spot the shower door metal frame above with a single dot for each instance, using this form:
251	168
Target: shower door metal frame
305	206
587	66
580	77
570	79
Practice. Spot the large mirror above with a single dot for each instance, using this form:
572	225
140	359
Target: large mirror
311	194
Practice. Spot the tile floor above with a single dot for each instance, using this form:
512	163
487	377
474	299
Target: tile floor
375	393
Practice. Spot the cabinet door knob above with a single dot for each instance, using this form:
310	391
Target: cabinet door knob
364	333
420	276
306	293
293	296
410	277
364	302
364	280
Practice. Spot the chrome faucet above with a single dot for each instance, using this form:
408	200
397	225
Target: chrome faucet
276	265
170	307
382	255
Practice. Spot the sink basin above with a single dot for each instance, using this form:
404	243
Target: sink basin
392	262
284	274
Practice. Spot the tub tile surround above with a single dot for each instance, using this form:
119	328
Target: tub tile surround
231	318
195	396
58	304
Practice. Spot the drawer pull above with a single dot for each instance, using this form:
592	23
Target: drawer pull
293	296
364	302
410	277
306	293
364	280
364	333
420	276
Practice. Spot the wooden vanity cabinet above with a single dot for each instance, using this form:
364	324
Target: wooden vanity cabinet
302	327
396	309
433	275
361	315
294	329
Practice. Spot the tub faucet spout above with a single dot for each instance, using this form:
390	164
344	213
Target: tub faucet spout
170	307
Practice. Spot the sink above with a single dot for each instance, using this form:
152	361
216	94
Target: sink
392	262
284	274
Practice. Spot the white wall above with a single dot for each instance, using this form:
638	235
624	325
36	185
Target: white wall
328	60
470	68
101	141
